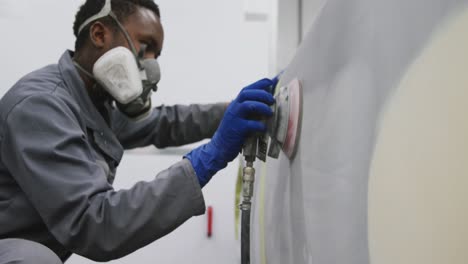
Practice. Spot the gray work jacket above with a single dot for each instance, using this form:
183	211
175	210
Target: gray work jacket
58	158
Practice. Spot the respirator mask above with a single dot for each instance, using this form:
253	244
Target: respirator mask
125	74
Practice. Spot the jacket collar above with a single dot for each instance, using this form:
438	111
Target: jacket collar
77	89
93	119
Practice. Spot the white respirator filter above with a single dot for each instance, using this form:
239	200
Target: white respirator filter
117	71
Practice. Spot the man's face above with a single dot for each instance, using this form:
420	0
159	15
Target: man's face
144	28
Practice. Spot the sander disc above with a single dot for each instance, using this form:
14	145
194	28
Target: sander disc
294	119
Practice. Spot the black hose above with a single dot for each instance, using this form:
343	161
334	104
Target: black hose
245	237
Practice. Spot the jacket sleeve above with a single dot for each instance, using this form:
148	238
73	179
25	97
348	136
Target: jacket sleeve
169	126
49	156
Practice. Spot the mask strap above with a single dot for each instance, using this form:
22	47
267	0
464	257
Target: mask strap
105	11
87	73
127	36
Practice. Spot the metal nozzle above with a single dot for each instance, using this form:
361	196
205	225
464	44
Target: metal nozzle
248	179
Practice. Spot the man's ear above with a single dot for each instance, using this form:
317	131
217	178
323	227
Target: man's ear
100	35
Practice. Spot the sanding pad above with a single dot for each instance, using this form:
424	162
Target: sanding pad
284	127
295	115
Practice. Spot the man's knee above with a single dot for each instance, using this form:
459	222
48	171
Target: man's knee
26	252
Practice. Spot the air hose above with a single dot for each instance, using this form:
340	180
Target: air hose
248	179
283	134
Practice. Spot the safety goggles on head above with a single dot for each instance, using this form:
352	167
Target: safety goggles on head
125	74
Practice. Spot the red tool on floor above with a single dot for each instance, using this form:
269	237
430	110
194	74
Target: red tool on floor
209	213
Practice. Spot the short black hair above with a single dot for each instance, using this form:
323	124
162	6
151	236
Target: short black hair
121	8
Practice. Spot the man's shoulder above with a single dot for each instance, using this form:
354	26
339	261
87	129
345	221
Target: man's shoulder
45	82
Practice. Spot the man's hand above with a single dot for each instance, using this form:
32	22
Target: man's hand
236	126
254	100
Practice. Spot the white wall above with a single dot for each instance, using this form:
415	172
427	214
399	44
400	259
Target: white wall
210	53
290	21
33	35
285	37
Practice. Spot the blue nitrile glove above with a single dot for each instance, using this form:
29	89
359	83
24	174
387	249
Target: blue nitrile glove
253	100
